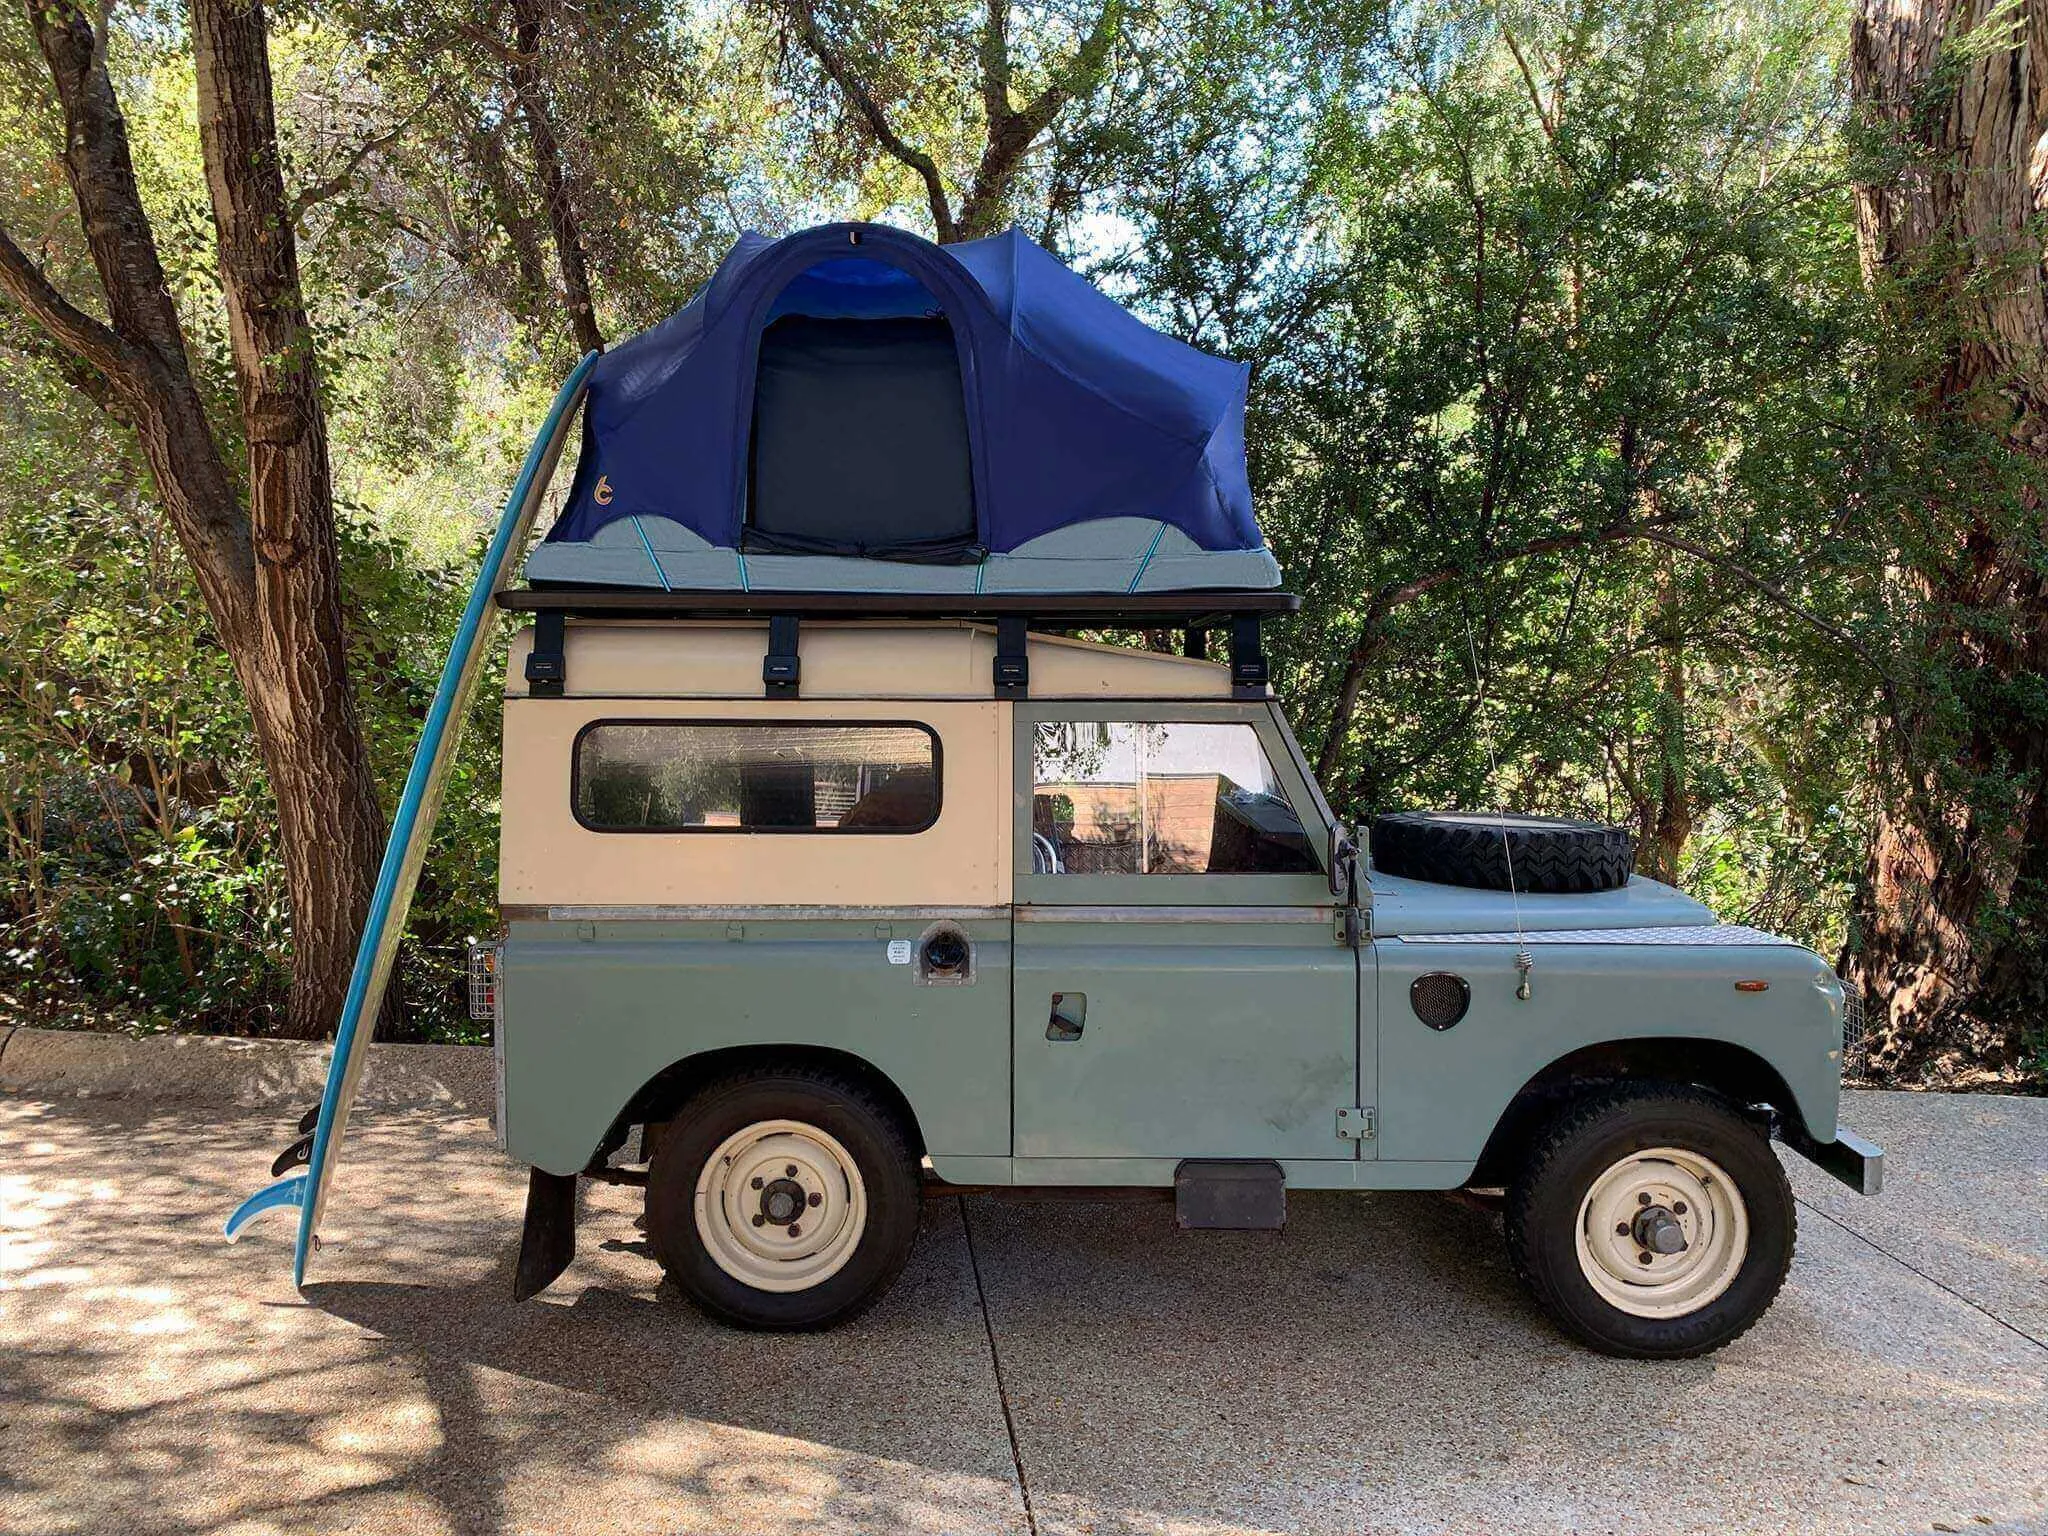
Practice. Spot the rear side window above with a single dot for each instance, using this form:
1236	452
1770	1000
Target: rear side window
755	776
1159	798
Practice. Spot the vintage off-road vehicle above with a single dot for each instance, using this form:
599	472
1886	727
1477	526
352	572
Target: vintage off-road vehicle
835	870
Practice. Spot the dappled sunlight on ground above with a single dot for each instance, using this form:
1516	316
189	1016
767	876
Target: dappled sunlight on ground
1373	1367
152	1367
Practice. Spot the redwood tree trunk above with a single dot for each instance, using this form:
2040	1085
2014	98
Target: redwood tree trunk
1947	950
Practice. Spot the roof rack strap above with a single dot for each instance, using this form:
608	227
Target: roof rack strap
1248	673
779	668
1013	658
547	666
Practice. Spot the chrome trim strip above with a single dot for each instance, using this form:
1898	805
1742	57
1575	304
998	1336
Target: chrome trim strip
1048	914
675	914
1700	936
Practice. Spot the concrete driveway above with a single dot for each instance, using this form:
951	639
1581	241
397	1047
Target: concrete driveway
1060	1367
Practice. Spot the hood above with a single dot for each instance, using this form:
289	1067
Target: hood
1419	906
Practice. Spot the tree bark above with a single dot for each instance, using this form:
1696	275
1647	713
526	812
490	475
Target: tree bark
1953	243
527	21
330	824
533	296
268	571
1668	828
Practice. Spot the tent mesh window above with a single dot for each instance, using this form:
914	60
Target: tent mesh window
860	441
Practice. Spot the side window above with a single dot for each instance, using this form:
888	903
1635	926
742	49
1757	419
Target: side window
1141	798
755	776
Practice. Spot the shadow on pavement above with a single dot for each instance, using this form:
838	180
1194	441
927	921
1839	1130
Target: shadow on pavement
1371	1367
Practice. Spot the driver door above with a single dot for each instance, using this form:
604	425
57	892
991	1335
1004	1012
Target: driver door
1179	986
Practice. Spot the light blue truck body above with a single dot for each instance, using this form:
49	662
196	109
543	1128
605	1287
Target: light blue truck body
1226	1016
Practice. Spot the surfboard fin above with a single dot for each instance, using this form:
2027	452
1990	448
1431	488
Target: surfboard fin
285	1194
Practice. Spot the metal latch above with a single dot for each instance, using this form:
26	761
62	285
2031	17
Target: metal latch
1355	1123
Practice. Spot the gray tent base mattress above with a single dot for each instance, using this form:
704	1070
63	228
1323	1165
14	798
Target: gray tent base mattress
1111	554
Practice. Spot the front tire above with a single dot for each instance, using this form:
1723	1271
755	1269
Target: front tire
1652	1222
783	1199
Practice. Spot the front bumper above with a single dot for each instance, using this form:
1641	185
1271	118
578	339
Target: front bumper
1856	1162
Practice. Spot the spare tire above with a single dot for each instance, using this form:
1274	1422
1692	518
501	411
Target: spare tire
1477	849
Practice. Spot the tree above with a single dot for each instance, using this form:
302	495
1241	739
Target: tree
1950	214
870	49
531	95
1550	310
261	546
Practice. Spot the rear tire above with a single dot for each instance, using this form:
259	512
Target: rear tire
783	1199
1652	1222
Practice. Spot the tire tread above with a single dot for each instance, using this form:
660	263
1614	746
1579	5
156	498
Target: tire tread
1558	857
898	1147
1553	1143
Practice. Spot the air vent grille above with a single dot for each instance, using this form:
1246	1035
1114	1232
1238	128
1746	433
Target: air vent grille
1439	998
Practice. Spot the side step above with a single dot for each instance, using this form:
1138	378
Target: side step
1230	1196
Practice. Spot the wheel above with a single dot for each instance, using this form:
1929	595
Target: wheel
783	1199
1652	1222
1479	849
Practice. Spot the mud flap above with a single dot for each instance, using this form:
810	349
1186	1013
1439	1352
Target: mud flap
548	1242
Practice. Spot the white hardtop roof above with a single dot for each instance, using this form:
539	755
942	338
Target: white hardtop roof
852	659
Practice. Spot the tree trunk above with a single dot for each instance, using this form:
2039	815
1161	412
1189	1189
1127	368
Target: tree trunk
1670	827
527	19
1945	948
269	573
532	295
330	825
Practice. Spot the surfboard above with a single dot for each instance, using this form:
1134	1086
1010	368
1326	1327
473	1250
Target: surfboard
411	827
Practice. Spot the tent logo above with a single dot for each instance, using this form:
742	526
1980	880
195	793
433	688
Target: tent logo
603	494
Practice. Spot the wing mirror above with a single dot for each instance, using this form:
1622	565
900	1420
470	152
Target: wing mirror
1343	862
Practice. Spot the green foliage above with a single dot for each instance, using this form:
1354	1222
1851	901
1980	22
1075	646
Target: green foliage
1573	419
1545	272
140	869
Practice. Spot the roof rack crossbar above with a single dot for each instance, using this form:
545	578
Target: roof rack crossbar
1240	614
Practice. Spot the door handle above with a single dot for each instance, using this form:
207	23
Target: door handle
1068	1018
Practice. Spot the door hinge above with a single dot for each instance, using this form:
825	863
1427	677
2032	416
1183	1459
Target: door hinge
1356	1123
1348	927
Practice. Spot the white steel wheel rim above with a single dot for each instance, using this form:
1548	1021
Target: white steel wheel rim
1694	1191
788	1170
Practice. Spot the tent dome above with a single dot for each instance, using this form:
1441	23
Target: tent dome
855	408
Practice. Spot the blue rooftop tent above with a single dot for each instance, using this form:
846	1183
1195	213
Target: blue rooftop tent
850	419
853	408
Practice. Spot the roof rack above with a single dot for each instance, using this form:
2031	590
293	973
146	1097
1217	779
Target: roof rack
1238	612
